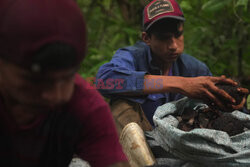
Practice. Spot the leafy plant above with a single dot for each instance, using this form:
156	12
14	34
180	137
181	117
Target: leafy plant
216	32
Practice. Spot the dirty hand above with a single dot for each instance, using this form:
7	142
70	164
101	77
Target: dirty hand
204	88
241	105
242	91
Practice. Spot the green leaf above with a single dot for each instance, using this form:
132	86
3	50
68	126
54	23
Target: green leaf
106	4
243	3
130	31
248	102
185	5
131	41
92	71
115	39
215	5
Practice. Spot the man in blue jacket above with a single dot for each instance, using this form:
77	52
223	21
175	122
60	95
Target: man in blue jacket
155	70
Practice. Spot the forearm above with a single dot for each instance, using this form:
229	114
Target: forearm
115	82
203	88
133	85
162	84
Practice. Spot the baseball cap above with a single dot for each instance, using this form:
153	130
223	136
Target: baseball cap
160	9
26	26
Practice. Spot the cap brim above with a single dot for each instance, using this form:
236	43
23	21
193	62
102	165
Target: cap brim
164	17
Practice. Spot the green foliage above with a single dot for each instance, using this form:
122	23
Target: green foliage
214	5
107	31
216	32
243	3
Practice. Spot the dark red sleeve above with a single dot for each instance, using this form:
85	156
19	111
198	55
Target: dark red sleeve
99	144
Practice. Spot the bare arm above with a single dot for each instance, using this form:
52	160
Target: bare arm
202	87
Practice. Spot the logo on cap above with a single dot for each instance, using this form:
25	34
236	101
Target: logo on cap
159	7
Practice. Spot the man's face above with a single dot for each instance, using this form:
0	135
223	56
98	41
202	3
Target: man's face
38	90
166	46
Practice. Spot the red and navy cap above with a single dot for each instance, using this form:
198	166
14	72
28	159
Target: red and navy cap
160	9
28	25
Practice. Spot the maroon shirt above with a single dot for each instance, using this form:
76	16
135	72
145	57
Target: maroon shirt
84	127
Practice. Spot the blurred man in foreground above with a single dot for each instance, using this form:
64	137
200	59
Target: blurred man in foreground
48	113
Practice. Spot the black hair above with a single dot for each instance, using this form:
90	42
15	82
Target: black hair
55	56
162	26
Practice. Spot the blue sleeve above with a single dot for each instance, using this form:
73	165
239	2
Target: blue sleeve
205	71
120	75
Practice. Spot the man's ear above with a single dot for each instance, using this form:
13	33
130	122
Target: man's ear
146	38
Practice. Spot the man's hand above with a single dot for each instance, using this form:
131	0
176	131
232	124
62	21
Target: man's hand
204	88
241	91
241	105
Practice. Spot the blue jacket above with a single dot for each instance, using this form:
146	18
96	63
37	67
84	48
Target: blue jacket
129	65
